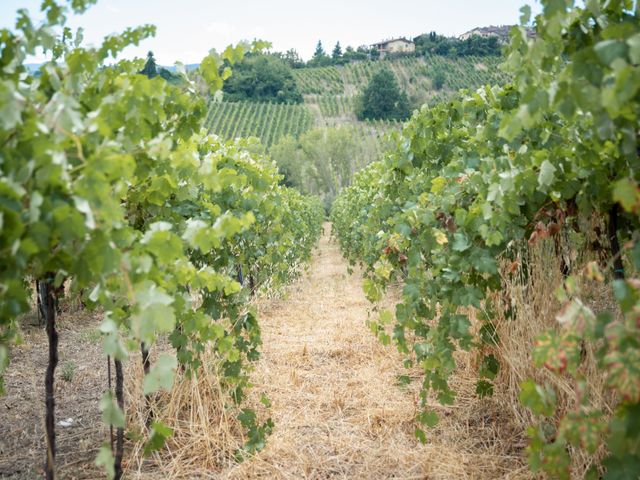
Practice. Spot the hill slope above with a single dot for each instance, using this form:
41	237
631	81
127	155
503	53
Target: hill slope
267	121
330	93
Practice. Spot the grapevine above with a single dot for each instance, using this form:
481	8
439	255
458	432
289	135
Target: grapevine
108	183
497	171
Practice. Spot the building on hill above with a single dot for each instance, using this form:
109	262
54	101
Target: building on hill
395	45
501	32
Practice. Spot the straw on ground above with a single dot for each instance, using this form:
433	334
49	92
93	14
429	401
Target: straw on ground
338	409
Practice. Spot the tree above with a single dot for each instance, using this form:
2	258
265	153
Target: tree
319	50
292	57
264	78
320	57
439	79
170	76
286	154
383	99
337	52
351	55
150	68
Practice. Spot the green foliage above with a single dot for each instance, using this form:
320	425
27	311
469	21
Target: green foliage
108	180
104	459
257	432
439	79
150	69
336	54
292	57
159	434
262	78
323	161
320	57
68	371
111	413
382	99
471	179
355	55
476	46
160	376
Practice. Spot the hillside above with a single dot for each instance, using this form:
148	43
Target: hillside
267	121
330	92
415	76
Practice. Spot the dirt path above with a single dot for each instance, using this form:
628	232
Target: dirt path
338	410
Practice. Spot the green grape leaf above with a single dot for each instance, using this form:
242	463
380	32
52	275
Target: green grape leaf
609	50
541	401
428	418
484	388
105	460
161	374
111	413
11	105
627	194
159	434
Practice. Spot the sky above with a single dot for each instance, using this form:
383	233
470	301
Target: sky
188	29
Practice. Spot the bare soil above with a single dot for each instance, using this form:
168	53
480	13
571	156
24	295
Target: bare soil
22	443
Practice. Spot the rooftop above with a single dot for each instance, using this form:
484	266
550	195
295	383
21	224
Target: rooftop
399	39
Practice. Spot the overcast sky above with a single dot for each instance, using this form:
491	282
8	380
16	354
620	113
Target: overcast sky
187	29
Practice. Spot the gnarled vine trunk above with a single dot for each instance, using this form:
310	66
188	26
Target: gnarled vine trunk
48	308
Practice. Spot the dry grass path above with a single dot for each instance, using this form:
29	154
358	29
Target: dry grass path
338	410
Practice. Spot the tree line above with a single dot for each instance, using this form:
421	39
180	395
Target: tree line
427	43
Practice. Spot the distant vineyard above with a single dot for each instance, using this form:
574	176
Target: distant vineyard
267	121
413	74
270	122
376	136
317	81
330	94
333	105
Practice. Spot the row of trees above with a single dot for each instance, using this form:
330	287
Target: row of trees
452	47
428	43
339	57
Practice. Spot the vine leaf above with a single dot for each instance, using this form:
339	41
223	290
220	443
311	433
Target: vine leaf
161	375
111	413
